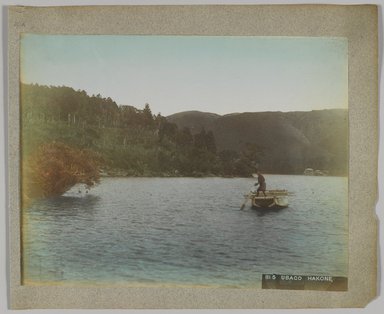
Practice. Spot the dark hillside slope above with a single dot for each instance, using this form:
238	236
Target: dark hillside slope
327	131
289	142
194	120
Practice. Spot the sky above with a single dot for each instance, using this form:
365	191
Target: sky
219	74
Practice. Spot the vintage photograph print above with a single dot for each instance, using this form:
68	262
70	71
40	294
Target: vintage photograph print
184	161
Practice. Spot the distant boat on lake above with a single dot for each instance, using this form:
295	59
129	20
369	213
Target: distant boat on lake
312	172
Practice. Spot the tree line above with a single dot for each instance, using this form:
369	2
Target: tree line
128	141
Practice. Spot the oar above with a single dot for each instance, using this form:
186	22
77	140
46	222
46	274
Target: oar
245	201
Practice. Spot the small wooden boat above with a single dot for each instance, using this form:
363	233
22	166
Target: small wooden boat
273	199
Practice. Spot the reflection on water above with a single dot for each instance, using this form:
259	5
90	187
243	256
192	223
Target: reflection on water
186	231
272	211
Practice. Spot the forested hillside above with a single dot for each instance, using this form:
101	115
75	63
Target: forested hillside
285	143
129	141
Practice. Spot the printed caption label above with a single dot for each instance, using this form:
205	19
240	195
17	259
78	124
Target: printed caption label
304	282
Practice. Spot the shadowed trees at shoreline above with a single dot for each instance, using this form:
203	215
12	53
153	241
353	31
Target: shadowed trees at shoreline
53	168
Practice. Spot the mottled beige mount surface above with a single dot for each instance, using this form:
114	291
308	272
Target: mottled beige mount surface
357	23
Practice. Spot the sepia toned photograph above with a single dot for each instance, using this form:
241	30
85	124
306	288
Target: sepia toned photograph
184	161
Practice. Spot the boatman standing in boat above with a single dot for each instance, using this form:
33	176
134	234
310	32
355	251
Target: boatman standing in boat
261	183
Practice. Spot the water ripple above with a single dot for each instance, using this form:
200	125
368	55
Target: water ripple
186	230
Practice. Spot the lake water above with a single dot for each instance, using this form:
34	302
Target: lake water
186	231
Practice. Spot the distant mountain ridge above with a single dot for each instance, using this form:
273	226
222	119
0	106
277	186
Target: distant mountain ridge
289	141
194	120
